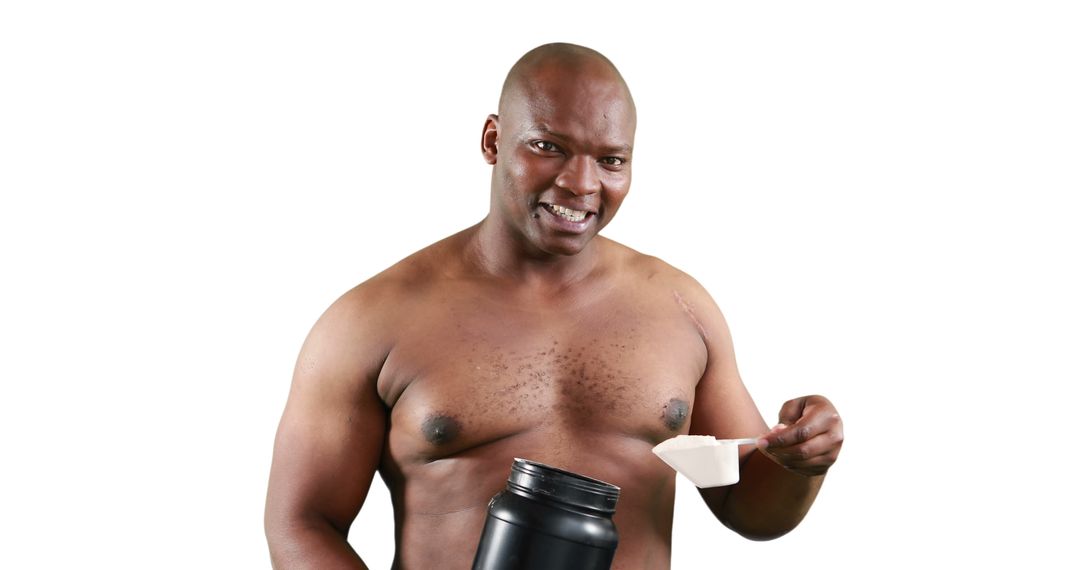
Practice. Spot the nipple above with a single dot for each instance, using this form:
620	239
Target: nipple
439	428
675	413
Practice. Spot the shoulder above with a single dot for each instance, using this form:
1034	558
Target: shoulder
413	277
653	273
662	282
367	315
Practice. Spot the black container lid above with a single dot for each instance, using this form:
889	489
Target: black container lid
563	486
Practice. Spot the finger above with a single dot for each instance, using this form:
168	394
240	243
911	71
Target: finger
816	419
763	441
792	410
814	456
793	455
814	466
810	466
803	430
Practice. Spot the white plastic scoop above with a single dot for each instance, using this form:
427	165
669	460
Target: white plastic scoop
703	459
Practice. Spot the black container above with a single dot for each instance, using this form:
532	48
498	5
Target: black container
548	519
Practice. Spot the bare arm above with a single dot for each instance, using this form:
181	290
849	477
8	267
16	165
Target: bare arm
783	476
778	481
328	444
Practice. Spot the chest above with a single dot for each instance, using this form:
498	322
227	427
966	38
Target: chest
471	372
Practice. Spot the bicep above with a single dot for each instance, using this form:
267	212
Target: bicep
723	407
330	438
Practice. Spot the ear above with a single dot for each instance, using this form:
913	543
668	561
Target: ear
489	141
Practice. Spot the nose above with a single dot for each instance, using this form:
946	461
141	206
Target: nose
580	176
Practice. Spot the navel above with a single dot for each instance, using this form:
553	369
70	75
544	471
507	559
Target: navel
440	428
675	413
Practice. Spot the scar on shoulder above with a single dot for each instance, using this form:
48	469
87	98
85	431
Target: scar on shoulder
440	428
690	313
675	413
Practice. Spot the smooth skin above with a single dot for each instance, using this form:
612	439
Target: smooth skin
529	335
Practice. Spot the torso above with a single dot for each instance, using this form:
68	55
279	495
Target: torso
588	381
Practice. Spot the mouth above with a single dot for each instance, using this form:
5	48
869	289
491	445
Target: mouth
565	213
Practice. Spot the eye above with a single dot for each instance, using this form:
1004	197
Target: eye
612	161
545	146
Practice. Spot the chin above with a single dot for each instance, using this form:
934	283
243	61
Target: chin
566	248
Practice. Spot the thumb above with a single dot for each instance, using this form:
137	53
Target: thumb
766	440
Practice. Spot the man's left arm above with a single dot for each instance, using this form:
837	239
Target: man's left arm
779	480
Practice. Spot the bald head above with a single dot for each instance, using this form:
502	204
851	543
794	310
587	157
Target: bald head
563	141
552	64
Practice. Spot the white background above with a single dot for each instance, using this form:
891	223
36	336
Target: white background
879	196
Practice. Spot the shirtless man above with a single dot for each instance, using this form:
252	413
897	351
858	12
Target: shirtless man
528	335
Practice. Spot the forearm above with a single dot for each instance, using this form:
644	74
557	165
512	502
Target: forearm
311	545
768	501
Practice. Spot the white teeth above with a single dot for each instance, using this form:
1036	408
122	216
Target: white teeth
567	213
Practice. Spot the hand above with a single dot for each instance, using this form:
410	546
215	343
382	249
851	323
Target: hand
808	438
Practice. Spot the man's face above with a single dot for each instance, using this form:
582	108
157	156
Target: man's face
562	161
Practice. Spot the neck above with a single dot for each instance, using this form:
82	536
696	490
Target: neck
499	253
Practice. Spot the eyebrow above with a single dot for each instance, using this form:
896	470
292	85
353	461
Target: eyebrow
544	129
